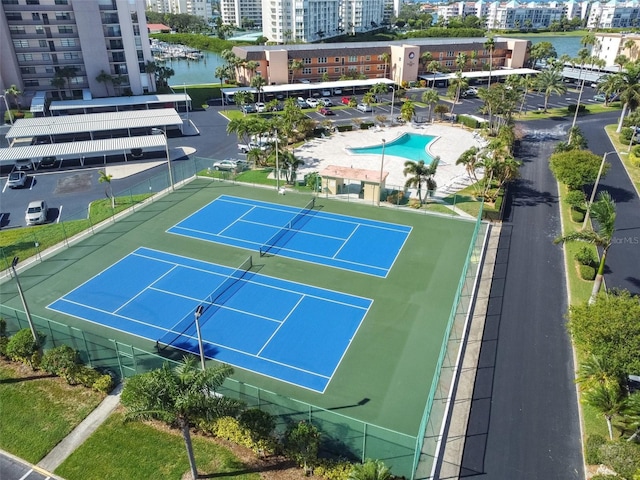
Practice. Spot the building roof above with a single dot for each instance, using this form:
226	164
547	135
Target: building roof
169	98
89	148
93	122
293	87
158	27
358	174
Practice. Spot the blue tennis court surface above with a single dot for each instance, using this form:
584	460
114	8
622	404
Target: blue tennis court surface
284	330
356	244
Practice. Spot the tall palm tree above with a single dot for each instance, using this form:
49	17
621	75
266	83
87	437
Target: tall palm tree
370	470
407	111
603	211
14	91
630	90
385	57
421	173
295	66
105	78
430	97
179	396
104	178
258	82
490	46
68	73
433	67
469	159
550	82
425	59
456	86
150	68
58	83
379	89
610	85
608	398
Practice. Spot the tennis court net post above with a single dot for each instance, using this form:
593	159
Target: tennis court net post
269	244
215	298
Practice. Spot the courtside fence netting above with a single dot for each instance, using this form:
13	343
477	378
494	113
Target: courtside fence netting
409	456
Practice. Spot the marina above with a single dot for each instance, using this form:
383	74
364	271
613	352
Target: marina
163	51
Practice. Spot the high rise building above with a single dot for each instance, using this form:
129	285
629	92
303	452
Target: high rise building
99	47
239	12
199	8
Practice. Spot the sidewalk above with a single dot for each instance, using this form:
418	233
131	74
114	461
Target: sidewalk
83	431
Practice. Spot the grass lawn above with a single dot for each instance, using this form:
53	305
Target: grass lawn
632	170
564	112
38	411
21	242
200	93
120	450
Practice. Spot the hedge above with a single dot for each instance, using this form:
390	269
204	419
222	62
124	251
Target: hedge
587	272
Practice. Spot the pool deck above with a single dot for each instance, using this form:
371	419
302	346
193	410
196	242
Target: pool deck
450	143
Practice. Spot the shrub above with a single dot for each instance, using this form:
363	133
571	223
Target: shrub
366	125
103	384
625	135
257	423
623	457
301	442
587	272
231	429
572	108
4	340
577	215
22	347
576	199
468	121
586	256
344	128
332	469
414	203
592	449
396	197
62	361
87	376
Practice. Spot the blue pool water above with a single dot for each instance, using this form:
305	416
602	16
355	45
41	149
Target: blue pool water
409	145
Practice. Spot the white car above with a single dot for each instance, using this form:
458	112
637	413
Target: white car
17	179
36	213
326	102
312	102
363	107
260	107
326	93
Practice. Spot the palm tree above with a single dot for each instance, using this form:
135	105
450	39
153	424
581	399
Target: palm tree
68	73
370	470
258	82
608	398
105	78
295	66
150	69
630	90
603	211
433	67
610	85
550	82
457	85
425	59
421	173
104	178
490	45
14	91
179	396
407	111
58	83
430	97
469	159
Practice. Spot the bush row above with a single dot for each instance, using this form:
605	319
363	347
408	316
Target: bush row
621	456
62	361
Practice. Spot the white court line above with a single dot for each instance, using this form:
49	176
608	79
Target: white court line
279	326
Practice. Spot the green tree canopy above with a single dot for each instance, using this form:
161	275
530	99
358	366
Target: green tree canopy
576	168
609	328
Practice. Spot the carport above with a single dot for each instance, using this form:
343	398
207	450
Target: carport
93	124
83	150
119	104
481	75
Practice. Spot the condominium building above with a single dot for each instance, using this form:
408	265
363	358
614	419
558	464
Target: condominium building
514	15
236	12
614	14
199	8
400	61
609	46
72	43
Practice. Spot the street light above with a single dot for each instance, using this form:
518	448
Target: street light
166	149
8	109
24	301
381	168
186	103
595	188
198	314
277	165
633	134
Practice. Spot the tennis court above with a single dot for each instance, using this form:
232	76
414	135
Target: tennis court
308	234
281	329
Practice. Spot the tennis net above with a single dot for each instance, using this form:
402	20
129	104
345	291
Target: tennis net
221	294
269	244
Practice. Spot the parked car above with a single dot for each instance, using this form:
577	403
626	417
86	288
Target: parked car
312	102
50	162
326	102
363	107
326	111
36	213
301	102
260	107
600	97
326	93
17	179
23	164
229	164
277	107
249	108
337	91
345	100
469	92
244	147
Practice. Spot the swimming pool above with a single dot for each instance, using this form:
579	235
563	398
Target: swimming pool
408	145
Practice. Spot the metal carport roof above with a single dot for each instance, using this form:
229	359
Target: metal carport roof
292	87
115	102
89	148
93	122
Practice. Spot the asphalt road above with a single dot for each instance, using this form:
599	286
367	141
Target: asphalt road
524	420
14	469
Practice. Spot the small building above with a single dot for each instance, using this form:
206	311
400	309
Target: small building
158	28
341	180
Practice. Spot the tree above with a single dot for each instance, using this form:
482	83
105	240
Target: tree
370	470
430	97
490	45
407	111
456	85
469	159
541	51
104	178
378	89
295	66
425	59
610	85
14	91
179	396
629	90
258	82
302	441
576	168
603	211
24	348
67	73
420	174
105	78
608	398
150	68
550	82
441	110
433	67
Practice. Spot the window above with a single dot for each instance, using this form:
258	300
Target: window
24	57
62	2
67	42
10	2
336	69
35	17
367	58
49	70
43	43
352	58
450	53
306	71
46	57
322	70
16	29
337	60
13	16
63	16
448	63
306	61
322	59
39	30
65	29
367	68
71	56
33	2
21	43
27	70
31	83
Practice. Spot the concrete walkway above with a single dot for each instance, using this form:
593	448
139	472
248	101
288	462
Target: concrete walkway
83	431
